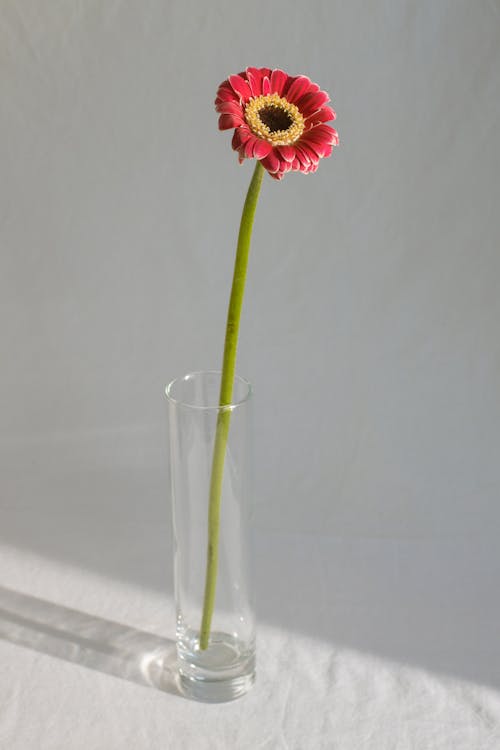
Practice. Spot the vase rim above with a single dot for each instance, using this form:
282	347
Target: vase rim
210	407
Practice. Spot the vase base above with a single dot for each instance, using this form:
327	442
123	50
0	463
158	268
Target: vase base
215	691
222	672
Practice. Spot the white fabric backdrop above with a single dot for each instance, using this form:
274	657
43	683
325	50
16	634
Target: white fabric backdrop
370	333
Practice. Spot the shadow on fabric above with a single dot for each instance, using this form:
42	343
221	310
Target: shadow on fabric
93	642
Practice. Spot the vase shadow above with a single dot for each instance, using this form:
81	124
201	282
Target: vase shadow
93	642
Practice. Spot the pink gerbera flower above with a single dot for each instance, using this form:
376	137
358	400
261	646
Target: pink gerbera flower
278	119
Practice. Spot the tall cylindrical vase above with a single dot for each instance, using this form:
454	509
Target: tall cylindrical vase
226	668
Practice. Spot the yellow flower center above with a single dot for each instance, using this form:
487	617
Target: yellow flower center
274	119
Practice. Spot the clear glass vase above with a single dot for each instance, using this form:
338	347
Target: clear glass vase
226	669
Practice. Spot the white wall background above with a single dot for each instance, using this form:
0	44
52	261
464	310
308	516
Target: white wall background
371	321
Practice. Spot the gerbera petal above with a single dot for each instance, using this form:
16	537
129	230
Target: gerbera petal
256	148
248	147
241	136
226	122
262	149
245	133
278	80
302	155
312	88
271	163
285	166
254	77
306	154
236	139
310	102
241	87
266	85
319	147
226	95
230	108
325	114
323	134
297	88
287	152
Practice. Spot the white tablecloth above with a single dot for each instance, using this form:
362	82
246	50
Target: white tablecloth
358	648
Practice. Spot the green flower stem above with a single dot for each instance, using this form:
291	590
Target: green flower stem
226	395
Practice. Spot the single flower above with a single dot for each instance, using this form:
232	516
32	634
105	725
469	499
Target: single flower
278	119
